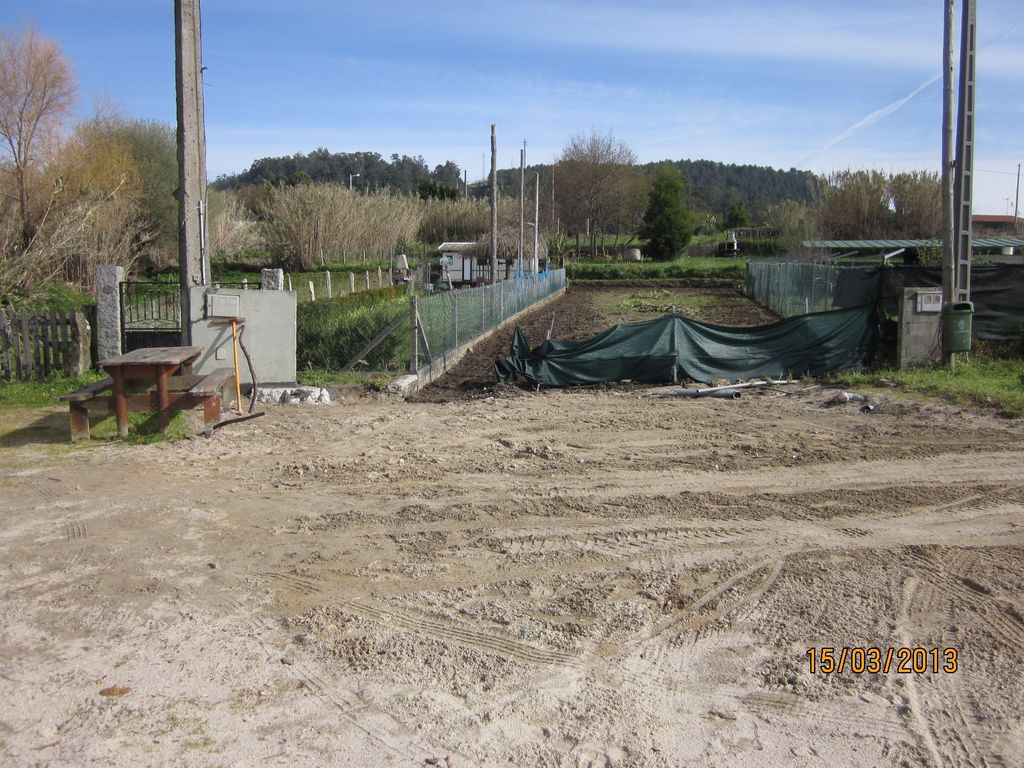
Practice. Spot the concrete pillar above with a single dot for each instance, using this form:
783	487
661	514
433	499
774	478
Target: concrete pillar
272	279
108	310
193	261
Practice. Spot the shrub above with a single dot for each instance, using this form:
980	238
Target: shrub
331	333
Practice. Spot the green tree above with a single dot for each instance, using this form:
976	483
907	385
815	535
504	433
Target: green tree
737	216
666	225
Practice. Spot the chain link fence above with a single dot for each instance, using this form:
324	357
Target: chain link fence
791	288
450	319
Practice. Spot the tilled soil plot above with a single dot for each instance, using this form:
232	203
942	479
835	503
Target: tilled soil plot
567	578
574	317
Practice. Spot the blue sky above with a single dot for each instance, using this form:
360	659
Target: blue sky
814	85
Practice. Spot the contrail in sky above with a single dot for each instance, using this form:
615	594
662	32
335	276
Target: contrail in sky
895	106
873	118
878	114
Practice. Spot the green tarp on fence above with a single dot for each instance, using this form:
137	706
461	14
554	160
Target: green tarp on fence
673	348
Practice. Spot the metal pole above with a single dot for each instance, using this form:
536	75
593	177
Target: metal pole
413	322
948	227
964	183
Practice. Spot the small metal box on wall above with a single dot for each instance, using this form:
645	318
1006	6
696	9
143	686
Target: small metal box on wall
920	326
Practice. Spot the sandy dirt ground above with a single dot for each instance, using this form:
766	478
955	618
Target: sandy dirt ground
595	577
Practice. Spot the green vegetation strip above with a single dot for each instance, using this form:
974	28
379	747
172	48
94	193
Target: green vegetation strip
696	268
995	383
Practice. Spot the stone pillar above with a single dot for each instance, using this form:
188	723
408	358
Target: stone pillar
108	310
272	279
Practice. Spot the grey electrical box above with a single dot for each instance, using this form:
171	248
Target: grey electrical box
929	301
920	314
222	305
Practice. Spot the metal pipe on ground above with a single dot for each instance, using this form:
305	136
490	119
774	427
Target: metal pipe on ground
720	392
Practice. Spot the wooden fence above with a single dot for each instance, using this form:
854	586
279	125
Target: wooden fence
33	345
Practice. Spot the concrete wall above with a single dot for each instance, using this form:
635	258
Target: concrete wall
269	332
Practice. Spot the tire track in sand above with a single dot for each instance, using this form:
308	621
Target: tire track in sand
379	726
448	630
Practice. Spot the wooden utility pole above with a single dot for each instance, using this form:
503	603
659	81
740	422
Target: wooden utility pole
522	211
494	204
1016	200
536	225
193	261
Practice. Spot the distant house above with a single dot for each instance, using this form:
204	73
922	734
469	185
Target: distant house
993	226
466	263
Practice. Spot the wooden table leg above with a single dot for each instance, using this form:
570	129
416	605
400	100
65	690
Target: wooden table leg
120	401
162	397
79	422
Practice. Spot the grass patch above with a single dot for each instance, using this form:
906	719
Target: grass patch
995	383
661	301
320	377
44	391
687	268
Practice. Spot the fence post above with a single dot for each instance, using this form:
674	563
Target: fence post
413	314
367	279
380	278
81	335
108	310
483	309
272	279
289	282
455	295
327	278
312	291
351	282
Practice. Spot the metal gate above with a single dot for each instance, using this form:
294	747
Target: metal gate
150	314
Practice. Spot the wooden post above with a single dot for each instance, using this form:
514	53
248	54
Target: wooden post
82	343
367	279
27	353
494	204
327	280
380	278
312	291
351	282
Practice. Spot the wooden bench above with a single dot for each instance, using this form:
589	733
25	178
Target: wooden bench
183	392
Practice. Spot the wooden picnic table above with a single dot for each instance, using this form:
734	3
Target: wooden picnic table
151	364
153	379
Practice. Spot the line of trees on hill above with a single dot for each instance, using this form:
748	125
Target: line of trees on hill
709	186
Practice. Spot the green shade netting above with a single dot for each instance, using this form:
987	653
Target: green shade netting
672	348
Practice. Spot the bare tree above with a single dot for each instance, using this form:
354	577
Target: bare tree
37	91
593	173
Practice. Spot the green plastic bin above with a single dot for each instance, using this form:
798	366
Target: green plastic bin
957	317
